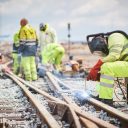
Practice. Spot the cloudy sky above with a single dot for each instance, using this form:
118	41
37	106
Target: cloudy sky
86	16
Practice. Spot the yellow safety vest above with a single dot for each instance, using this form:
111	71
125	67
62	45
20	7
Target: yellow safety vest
27	33
16	39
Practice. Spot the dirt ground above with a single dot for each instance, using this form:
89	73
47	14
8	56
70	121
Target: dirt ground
6	50
77	50
80	51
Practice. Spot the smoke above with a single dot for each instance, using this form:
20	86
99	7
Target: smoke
81	95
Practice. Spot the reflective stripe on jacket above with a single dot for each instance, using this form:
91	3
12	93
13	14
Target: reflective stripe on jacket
109	71
28	41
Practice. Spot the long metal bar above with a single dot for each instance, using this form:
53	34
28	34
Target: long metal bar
88	123
116	113
77	109
43	112
76	121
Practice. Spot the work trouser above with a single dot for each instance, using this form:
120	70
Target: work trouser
109	71
29	67
16	63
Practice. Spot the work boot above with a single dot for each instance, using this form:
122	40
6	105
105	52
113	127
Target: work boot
95	97
108	102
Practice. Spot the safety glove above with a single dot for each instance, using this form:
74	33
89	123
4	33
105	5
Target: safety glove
94	72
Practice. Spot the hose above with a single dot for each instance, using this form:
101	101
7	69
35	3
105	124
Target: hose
122	90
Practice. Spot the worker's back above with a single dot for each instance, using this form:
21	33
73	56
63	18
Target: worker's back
117	46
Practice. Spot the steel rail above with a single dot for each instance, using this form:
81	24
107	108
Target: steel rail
76	120
85	115
43	113
77	109
73	114
98	121
88	123
112	111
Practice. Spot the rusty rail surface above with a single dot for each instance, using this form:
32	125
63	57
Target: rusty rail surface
72	115
98	122
110	110
74	109
77	109
43	113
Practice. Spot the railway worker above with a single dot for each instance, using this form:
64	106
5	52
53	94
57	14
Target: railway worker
53	54
28	48
1	58
73	64
114	45
16	58
47	35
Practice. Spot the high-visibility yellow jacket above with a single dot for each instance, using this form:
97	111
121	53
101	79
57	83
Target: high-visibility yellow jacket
46	37
28	41
16	39
52	53
27	33
118	48
16	42
115	64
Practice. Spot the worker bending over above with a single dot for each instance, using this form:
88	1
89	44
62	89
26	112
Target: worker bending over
52	54
47	35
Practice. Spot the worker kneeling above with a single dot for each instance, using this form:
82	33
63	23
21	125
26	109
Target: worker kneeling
115	63
53	54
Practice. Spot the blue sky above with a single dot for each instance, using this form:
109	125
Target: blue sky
86	16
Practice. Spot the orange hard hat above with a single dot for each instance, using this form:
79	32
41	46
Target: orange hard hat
23	22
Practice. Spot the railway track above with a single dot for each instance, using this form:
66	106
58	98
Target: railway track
54	106
15	109
98	108
82	115
55	115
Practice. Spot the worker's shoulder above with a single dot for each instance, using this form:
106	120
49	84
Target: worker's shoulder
52	30
27	27
117	35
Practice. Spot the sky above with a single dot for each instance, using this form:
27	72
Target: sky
85	16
